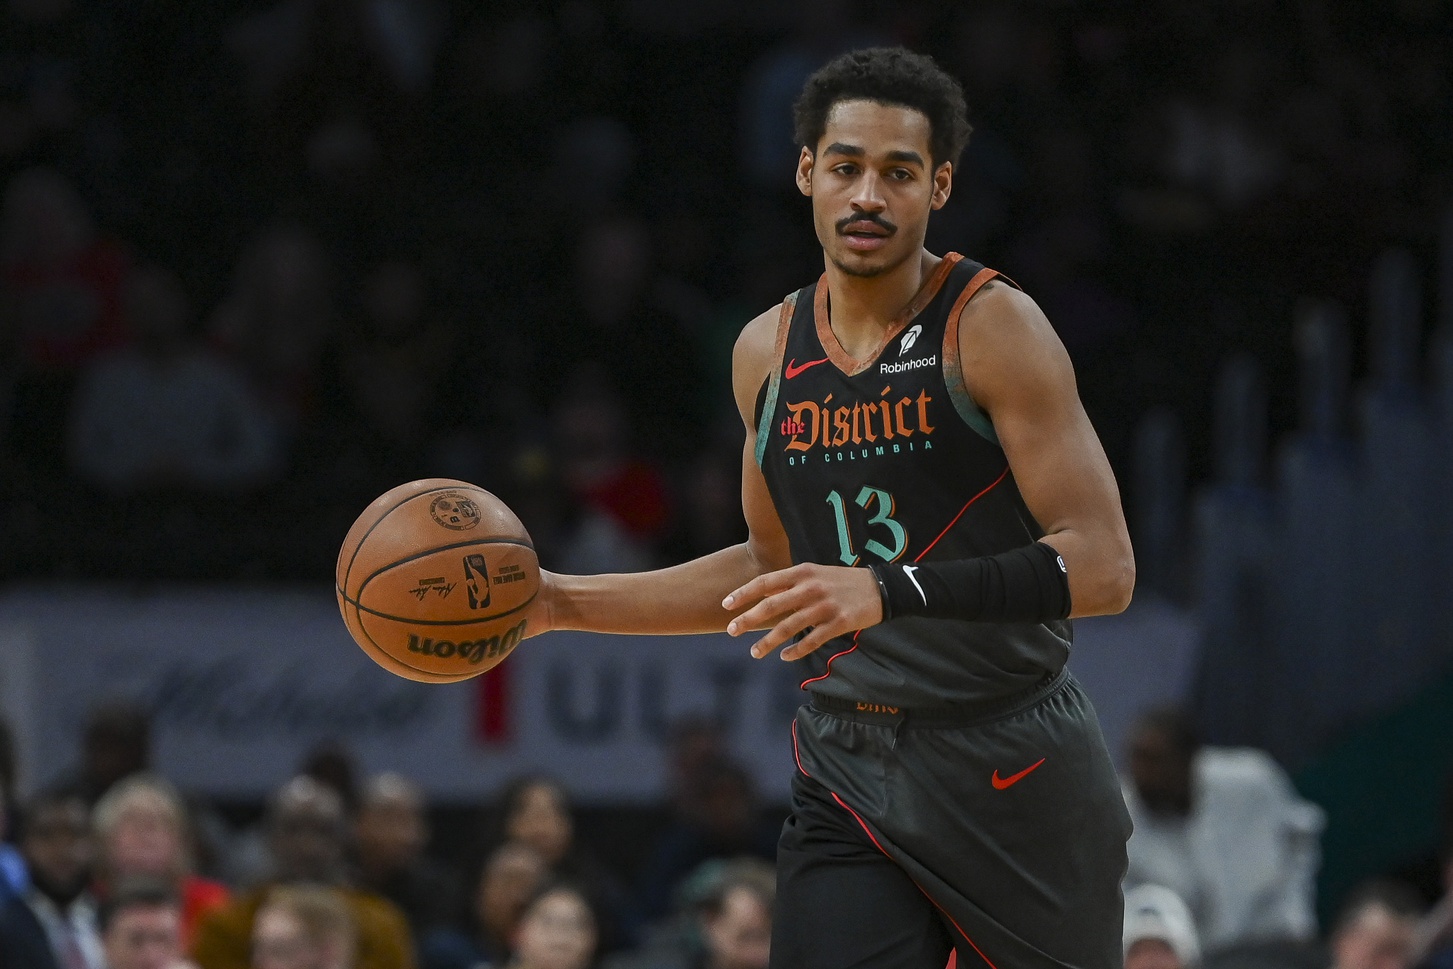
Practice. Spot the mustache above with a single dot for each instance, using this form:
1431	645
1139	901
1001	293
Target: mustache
869	217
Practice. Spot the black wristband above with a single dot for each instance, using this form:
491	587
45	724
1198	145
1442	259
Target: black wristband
882	592
1028	584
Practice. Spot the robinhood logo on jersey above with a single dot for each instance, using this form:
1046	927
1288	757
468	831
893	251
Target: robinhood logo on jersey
905	343
857	431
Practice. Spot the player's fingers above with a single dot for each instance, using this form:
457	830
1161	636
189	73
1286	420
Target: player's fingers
782	632
762	585
769	609
814	640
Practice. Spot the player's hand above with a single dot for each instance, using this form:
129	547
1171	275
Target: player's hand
823	600
540	617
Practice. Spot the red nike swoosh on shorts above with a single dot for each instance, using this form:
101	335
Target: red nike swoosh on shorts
793	370
1000	783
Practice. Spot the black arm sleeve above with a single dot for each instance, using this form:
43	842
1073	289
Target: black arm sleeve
1028	584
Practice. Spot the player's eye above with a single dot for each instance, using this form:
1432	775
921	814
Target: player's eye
845	169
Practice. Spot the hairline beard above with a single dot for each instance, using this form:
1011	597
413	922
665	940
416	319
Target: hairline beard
871	272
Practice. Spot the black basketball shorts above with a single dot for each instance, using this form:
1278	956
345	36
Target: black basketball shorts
1001	837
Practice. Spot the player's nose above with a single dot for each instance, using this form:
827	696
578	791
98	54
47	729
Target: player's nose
869	194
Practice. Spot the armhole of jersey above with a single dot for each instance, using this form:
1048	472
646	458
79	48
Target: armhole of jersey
774	382
953	371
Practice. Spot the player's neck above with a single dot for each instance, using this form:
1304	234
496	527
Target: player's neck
862	308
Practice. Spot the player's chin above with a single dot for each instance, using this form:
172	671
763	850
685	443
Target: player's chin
875	262
861	264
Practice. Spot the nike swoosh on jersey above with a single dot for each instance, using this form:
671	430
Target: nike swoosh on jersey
793	369
1000	783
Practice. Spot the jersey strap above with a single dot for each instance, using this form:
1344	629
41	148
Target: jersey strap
953	371
774	382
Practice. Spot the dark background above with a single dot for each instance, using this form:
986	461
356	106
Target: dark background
581	203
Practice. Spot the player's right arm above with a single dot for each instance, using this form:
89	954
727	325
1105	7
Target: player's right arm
685	598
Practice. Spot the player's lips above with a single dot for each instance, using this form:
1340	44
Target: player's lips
865	235
864	242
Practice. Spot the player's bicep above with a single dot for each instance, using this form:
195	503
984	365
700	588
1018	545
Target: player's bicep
1019	373
766	538
753	360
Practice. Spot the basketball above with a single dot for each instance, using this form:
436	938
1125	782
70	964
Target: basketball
434	579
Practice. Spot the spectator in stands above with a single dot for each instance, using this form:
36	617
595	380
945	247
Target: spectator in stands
169	411
622	499
558	930
390	832
1376	928
1159	933
724	921
332	764
723	822
390	377
534	810
141	927
1225	830
54	925
116	743
736	918
142	831
695	743
1434	944
13	879
61	280
512	875
305	927
305	828
276	319
60	304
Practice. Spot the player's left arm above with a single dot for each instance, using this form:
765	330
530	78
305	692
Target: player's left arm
1016	369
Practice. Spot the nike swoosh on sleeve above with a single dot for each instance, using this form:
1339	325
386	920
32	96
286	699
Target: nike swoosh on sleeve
908	570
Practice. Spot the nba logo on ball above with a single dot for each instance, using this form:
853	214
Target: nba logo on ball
397	568
476	581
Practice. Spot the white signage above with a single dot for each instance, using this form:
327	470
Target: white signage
243	684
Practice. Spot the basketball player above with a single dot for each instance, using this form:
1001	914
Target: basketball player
928	505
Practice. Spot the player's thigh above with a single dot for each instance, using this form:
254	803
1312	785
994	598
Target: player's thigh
842	903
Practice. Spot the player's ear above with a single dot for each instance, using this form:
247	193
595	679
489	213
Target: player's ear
943	183
804	171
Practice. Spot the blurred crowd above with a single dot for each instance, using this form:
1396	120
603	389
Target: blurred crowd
261	261
110	865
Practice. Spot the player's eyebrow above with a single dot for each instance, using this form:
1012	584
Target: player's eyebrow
854	151
911	157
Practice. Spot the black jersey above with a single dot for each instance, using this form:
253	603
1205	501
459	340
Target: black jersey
891	460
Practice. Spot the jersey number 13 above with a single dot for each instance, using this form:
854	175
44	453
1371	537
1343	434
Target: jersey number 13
882	502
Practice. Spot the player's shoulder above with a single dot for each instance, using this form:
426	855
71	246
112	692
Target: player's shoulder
1002	320
1000	300
757	343
754	356
761	330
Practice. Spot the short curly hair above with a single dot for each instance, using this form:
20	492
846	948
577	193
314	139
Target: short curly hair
887	75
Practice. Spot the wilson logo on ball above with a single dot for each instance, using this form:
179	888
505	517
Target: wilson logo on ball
473	650
454	510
